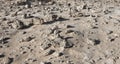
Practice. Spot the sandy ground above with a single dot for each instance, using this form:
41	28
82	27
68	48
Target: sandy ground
59	31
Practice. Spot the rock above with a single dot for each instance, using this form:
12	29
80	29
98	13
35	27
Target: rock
50	18
4	40
49	52
28	4
9	60
43	2
26	16
70	26
21	2
14	25
96	42
45	63
18	24
54	17
118	61
66	44
57	54
38	21
27	39
45	44
28	22
69	31
14	14
2	55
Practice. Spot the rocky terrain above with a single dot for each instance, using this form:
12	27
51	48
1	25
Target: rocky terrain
59	31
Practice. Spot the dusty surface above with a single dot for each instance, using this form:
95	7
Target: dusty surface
60	32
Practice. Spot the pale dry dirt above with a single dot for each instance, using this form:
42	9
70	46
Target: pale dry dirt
59	31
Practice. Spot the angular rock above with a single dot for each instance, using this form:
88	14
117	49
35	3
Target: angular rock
18	24
4	40
96	42
27	39
49	52
57	54
66	44
45	63
2	55
45	44
38	21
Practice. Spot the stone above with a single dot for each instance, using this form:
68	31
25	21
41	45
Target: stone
20	24
4	40
38	21
27	39
57	54
96	42
24	24
45	44
49	52
26	16
45	63
9	60
2	55
54	17
66	44
70	26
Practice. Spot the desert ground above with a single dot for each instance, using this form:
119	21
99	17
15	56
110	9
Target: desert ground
59	31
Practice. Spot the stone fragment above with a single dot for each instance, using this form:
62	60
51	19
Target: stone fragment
70	26
66	44
9	60
45	44
2	55
49	52
57	54
96	42
27	39
45	63
54	17
27	16
4	40
38	21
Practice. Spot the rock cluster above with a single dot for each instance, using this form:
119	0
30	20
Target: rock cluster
59	32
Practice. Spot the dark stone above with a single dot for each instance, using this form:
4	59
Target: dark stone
69	26
110	32
54	17
23	26
51	52
69	4
60	54
28	39
96	42
48	63
68	44
94	27
85	7
4	40
21	3
10	60
2	55
24	32
70	31
26	16
112	40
